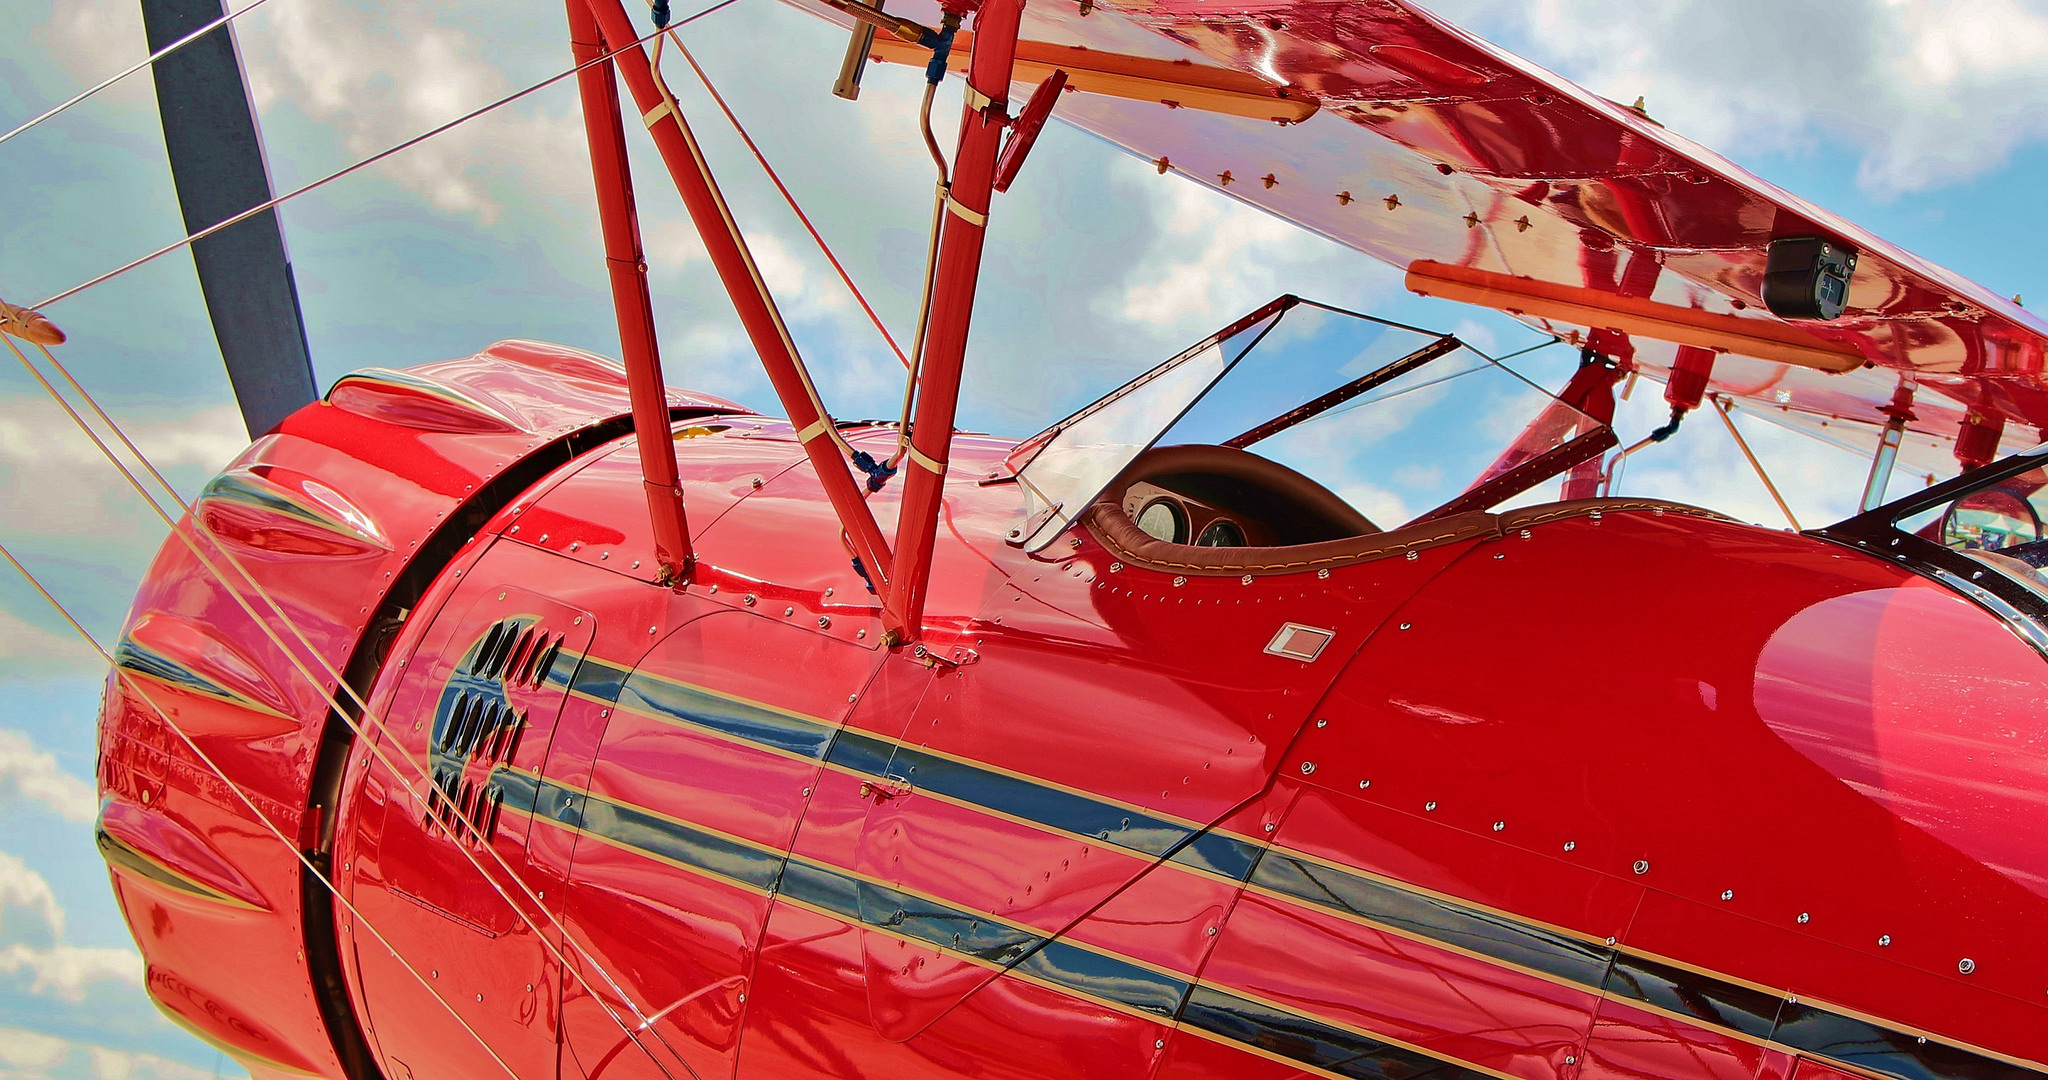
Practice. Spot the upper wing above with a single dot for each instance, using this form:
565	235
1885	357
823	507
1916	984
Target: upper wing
1494	181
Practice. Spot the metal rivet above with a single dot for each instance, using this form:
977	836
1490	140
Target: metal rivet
1322	723
543	538
1322	575
748	599
1727	894
1430	806
1074	543
1966	965
713	590
807	793
1245	580
1526	534
1500	554
861	633
603	555
1610	941
1179	581
824	622
1571	845
1499	825
435	974
653	629
1363	784
1642	866
1804	918
1270	826
1571	1059
1159	1044
479	997
577	621
1308	767
1884	941
1212	931
828	590
1116	567
788	611
636	564
515	528
575	545
1412	556
1405	626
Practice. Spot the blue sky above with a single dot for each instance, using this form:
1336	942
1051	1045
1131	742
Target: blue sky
1925	121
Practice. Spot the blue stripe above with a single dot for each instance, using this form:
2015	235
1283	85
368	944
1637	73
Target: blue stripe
725	716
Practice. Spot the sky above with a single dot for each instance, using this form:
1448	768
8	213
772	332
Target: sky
1925	121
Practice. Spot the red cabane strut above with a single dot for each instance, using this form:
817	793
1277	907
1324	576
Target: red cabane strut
600	27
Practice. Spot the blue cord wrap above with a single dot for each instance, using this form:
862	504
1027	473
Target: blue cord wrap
863	572
878	472
660	14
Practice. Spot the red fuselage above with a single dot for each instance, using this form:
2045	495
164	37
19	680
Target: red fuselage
1613	789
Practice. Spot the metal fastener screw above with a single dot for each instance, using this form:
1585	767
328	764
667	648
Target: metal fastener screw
1430	806
1405	626
1074	543
1610	941
653	629
543	538
636	564
1322	723
1363	784
1116	567
1727	894
1526	534
748	600
1212	931
788	611
1642	866
1571	845
1322	575
713	590
1308	767
1159	1044
1884	941
1412	556
824	622
1270	826
861	633
1245	580
1179	581
1571	1059
575	545
603	555
1804	918
1966	965
1499	825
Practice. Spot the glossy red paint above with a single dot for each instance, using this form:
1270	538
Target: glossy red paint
1092	823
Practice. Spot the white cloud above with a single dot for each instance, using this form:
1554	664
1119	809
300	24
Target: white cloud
1214	252
43	454
31	1055
381	76
21	887
64	971
57	969
34	773
1929	92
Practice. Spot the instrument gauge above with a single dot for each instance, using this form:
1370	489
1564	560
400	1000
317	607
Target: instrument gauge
1222	532
1163	519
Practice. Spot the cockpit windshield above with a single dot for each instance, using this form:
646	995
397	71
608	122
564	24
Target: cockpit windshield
1982	534
1402	424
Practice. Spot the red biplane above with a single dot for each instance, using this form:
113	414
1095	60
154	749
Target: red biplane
517	714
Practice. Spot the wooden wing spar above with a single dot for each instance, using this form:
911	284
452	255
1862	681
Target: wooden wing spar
1491	181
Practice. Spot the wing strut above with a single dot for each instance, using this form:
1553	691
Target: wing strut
959	268
627	262
217	164
743	284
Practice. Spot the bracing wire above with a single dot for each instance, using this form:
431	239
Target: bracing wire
145	62
719	99
361	165
261	818
368	717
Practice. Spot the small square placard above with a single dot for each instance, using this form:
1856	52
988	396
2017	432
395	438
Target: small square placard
1298	642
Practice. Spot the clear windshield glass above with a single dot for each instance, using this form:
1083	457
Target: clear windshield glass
1400	422
1999	523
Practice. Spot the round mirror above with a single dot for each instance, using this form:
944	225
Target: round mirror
1990	520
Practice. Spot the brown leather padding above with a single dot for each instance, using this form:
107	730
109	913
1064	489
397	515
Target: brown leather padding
1122	537
1242	483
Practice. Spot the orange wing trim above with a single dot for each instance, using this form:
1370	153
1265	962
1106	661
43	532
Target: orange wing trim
1759	338
1176	83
